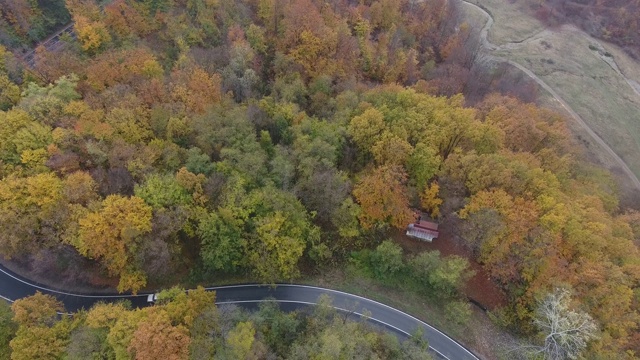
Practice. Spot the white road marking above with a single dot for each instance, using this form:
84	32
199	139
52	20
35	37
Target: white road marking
363	298
249	286
65	293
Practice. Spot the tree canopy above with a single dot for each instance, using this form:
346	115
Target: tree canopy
173	141
185	325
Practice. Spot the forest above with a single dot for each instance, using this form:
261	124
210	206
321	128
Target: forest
24	23
188	141
189	325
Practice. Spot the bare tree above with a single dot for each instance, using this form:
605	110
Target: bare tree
566	332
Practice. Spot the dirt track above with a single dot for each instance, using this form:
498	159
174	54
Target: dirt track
489	47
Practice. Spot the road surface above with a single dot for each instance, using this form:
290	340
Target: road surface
13	287
52	43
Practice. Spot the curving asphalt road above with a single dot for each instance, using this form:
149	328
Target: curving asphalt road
13	287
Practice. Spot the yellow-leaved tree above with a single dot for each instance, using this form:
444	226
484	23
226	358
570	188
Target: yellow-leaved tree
430	201
40	335
112	235
279	249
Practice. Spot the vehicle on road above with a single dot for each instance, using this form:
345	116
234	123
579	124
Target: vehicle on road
152	298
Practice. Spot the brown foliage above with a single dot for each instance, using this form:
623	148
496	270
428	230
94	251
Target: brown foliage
125	20
64	163
54	64
196	88
122	67
155	338
18	13
612	20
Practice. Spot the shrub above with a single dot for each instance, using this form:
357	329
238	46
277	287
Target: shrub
386	260
458	311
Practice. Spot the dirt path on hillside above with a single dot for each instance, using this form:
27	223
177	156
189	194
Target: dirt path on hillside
489	47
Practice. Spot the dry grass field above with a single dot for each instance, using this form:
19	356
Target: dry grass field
512	21
576	67
594	90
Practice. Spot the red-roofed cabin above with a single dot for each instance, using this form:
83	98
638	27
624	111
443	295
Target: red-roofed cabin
423	230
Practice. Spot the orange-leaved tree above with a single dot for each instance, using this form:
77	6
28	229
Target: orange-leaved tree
156	338
382	194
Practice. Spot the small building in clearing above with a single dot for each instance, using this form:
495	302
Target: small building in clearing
423	230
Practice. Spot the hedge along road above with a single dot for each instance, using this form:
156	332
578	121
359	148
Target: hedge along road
13	287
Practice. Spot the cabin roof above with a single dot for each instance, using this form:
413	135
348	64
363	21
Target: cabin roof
428	225
421	233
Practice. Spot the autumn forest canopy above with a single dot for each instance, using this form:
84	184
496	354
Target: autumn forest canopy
188	141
